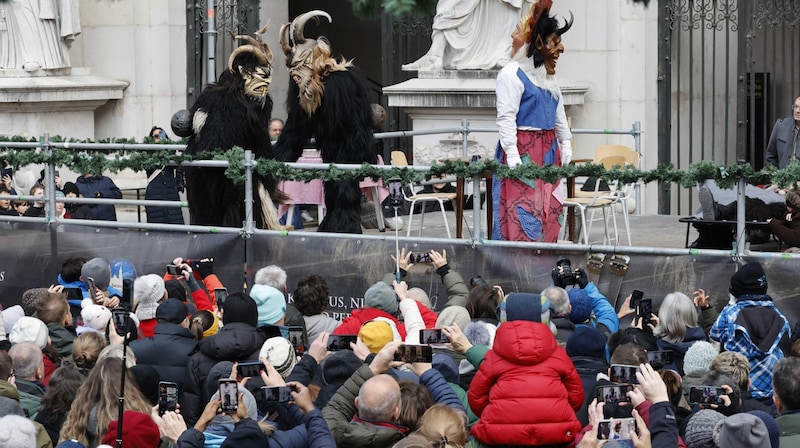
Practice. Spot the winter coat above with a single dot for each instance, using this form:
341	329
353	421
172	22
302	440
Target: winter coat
789	423
100	187
317	324
62	338
352	324
526	390
787	231
341	409
167	351
164	187
588	368
52	423
235	342
30	396
8	390
693	334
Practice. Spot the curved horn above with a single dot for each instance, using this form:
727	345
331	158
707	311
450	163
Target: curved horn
299	23
285	42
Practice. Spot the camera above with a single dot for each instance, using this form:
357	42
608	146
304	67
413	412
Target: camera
421	258
476	281
564	272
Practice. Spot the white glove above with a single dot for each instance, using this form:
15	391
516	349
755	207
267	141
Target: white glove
513	160
566	152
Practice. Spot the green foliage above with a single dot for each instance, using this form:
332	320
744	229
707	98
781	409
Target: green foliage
97	161
371	9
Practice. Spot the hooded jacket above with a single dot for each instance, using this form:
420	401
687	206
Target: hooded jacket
236	341
167	351
526	390
101	187
352	324
693	334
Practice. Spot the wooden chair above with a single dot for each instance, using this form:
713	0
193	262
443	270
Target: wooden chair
399	159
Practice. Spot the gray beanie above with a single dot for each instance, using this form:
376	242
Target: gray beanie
453	315
700	429
698	357
99	271
381	296
742	430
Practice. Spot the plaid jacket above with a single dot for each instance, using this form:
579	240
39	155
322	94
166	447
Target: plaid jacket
733	330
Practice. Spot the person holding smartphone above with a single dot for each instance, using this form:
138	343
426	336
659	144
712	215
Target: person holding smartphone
677	328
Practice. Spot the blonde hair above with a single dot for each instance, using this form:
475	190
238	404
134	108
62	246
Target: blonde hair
86	350
733	364
114	351
443	426
100	393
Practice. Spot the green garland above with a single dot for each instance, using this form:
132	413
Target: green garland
97	161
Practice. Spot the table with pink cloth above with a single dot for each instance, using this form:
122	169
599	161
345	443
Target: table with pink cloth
313	192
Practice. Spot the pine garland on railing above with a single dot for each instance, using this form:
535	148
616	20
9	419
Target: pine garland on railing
96	161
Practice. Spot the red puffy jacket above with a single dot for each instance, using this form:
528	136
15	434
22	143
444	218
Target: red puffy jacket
526	390
352	323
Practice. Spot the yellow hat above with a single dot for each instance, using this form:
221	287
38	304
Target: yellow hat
375	334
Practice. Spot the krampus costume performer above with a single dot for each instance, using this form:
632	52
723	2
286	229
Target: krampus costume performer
533	129
328	101
233	112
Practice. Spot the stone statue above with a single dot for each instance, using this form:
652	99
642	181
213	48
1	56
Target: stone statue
36	34
471	34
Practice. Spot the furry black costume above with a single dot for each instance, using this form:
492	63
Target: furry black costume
328	101
235	111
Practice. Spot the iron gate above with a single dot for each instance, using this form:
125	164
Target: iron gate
727	70
230	16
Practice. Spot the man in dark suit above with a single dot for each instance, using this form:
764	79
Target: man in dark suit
782	146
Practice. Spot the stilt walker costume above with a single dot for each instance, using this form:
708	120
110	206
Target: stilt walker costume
533	129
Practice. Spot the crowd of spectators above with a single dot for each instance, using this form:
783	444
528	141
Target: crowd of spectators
554	368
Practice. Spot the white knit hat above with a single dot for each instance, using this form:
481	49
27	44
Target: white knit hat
280	354
96	317
148	290
17	432
29	329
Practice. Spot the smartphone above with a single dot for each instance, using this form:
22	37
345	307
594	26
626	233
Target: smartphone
298	340
617	393
127	294
659	358
644	309
338	342
91	289
74	294
167	397
706	395
6	172
414	353
282	394
229	394
636	296
624	374
421	258
173	269
433	336
221	294
395	192
251	369
616	429
120	317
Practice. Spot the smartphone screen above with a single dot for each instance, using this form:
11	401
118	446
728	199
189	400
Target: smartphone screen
251	369
167	397
281	394
127	294
173	270
706	395
338	342
432	336
395	192
421	258
614	394
298	340
120	321
229	394
414	353
644	310
636	296
616	428
624	374
659	358
221	294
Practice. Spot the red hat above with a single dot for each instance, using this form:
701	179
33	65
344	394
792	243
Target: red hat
138	431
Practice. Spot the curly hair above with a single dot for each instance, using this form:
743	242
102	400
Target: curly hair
311	295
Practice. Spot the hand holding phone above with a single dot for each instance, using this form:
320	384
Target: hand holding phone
432	336
249	369
414	353
644	311
282	394
617	393
616	429
707	395
298	340
636	297
174	270
167	397
624	374
338	342
229	396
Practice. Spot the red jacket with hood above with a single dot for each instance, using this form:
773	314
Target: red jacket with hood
527	390
352	323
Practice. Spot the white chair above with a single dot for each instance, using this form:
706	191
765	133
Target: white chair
619	155
399	159
591	201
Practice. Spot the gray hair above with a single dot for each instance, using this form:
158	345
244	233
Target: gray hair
26	357
677	312
271	276
559	299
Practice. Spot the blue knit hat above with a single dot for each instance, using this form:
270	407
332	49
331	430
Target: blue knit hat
587	341
581	305
773	429
270	302
525	306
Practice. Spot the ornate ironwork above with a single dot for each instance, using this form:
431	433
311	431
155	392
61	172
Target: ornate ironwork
412	26
777	13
